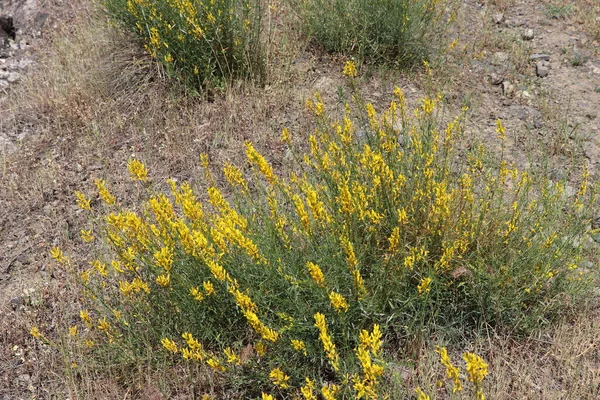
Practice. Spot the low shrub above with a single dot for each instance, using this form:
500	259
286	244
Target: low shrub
388	230
404	32
201	43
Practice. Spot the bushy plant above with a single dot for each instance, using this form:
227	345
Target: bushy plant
398	31
388	229
203	43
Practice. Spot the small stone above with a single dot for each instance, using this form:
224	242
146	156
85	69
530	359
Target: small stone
539	57
3	84
500	57
13	77
16	302
498	18
541	70
507	88
527	34
495	79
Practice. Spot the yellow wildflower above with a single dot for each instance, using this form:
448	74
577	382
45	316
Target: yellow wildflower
73	330
299	345
163	280
325	338
137	170
232	358
338	301
87	235
500	129
279	378
421	395
169	345
104	193
476	367
164	258
316	273
451	370
266	396
35	332
308	390
350	69
424	286
82	201
329	392
285	135
261	348
58	255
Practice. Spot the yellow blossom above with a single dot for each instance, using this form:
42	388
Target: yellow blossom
87	235
350	69
424	286
163	280
73	330
137	170
421	395
338	301
82	201
169	345
308	390
265	396
58	255
299	346
104	193
451	371
35	332
316	273
279	378
325	338
232	358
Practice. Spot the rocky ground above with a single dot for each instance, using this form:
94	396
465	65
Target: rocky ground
534	64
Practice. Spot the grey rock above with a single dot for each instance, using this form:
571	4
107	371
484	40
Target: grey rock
508	89
16	302
500	57
527	34
539	57
498	18
495	79
541	70
13	77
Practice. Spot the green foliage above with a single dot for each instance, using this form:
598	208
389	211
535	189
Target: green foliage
202	43
404	32
389	230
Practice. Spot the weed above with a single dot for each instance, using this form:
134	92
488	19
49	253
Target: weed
401	32
559	11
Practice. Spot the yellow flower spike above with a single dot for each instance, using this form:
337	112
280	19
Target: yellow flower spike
350	69
285	135
169	345
73	330
215	364
137	170
234	176
87	236
104	192
266	396
299	346
279	378
164	258
424	286
338	302
452	372
330	392
59	256
209	289
325	338
316	274
232	358
261	348
308	390
163	280
421	395
259	161
82	201
35	332
477	369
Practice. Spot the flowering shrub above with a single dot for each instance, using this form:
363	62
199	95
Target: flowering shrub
403	31
200	42
388	229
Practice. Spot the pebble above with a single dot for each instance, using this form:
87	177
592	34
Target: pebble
13	77
527	34
541	70
498	18
507	88
539	57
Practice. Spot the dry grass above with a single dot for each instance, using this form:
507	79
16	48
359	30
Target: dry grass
93	102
